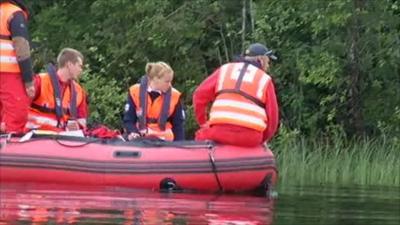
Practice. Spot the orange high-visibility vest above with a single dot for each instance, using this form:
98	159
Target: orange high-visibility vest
241	96
42	111
8	57
153	112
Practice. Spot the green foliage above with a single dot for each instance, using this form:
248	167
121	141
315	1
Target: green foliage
106	99
315	81
340	162
321	45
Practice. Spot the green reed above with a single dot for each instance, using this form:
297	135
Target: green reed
338	162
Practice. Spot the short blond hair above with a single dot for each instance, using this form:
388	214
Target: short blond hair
68	55
157	69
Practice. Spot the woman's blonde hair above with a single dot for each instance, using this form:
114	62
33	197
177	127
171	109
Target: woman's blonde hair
157	69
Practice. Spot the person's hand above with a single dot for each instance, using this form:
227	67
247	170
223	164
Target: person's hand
30	89
133	136
2	127
72	125
205	125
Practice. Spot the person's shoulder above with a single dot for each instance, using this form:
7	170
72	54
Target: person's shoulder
43	74
11	9
175	91
230	63
134	87
134	90
268	75
10	6
78	86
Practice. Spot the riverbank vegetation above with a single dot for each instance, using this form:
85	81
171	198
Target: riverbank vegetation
338	70
337	161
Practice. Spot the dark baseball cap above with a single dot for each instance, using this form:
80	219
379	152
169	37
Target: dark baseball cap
257	49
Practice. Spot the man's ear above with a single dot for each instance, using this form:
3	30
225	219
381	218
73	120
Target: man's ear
261	61
69	63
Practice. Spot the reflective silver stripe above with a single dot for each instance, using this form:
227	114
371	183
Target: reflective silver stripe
261	86
222	75
241	106
6	46
160	134
31	125
249	74
82	122
237	68
42	120
8	59
246	119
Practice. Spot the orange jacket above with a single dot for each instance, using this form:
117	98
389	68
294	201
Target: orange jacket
152	116
42	113
8	58
241	96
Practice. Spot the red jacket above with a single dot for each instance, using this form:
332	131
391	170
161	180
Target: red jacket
206	93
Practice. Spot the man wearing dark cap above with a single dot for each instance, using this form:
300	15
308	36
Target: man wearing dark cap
244	110
16	86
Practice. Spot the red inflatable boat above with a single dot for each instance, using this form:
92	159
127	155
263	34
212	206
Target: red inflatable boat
149	164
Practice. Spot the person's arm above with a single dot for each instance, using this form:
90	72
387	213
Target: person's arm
20	37
37	82
178	122
203	95
272	109
129	117
83	111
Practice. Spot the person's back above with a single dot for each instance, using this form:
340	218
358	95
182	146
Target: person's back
244	110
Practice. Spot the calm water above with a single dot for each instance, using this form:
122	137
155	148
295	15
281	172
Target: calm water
32	204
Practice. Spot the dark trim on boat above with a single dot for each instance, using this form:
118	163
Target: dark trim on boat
126	167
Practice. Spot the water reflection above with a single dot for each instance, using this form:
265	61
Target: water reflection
35	204
316	205
39	204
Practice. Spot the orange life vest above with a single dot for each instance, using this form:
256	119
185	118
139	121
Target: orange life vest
8	57
241	97
154	121
42	113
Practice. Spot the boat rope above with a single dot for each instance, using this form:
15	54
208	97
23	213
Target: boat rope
74	145
187	145
214	169
58	139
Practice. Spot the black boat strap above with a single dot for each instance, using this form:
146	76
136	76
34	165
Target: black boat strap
165	109
73	103
5	37
214	169
57	92
143	103
142	117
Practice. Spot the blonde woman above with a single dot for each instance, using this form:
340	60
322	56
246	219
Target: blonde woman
153	107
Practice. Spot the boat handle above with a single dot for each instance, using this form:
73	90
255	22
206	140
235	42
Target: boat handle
127	154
